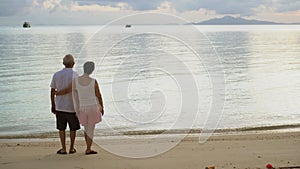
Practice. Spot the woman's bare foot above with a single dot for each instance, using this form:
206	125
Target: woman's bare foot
89	152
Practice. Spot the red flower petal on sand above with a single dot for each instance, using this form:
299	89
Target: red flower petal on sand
269	166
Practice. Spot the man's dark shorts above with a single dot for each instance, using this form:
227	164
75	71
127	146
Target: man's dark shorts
64	118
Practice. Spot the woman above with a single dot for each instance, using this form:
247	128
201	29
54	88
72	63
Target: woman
87	102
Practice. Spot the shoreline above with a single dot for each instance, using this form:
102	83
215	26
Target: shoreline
250	151
228	131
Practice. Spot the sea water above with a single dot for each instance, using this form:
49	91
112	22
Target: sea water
140	75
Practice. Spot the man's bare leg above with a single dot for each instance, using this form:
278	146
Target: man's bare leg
62	136
72	138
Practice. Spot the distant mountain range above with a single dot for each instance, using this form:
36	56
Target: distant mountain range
229	20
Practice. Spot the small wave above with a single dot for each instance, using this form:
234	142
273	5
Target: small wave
102	132
228	130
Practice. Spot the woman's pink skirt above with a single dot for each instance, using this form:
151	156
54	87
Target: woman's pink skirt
90	115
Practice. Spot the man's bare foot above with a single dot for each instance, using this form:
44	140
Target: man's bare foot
61	151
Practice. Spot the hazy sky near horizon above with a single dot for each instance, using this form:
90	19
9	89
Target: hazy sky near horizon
14	12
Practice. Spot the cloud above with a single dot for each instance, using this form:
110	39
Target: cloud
95	8
139	5
287	5
14	7
166	7
221	7
53	5
103	7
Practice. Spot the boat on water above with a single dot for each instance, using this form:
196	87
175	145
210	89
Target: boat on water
26	25
127	26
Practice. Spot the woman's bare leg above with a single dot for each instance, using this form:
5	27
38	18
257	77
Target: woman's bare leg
88	135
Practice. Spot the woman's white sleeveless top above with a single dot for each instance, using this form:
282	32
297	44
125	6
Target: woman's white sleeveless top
86	94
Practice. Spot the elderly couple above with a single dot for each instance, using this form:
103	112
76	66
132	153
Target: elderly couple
76	99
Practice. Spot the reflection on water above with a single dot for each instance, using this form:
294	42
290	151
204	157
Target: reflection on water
261	70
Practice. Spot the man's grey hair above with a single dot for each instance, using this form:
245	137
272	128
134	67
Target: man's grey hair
68	60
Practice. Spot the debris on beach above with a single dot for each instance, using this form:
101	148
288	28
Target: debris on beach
210	167
269	166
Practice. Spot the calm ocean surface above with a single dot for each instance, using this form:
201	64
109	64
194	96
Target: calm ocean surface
138	74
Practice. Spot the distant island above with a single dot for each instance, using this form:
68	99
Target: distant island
229	20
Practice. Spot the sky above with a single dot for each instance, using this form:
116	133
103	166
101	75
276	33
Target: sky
57	12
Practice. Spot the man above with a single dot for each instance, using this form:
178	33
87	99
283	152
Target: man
62	106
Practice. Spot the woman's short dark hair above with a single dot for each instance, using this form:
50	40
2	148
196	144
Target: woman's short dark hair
88	67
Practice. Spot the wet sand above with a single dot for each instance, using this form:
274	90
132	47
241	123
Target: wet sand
227	151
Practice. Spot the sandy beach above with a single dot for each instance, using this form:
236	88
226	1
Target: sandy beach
226	151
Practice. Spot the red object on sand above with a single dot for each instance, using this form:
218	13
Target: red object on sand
269	166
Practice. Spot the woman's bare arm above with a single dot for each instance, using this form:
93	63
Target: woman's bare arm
98	95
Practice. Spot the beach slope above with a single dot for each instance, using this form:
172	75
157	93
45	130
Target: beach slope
227	151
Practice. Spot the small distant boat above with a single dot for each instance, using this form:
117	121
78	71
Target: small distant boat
127	26
26	25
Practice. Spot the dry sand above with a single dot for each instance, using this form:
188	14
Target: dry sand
229	151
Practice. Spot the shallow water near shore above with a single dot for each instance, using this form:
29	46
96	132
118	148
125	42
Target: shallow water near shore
261	66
